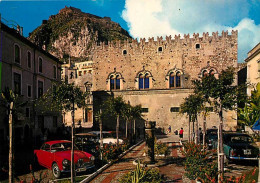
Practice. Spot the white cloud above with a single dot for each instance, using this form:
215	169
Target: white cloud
152	18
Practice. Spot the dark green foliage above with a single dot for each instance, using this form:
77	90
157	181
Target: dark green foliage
250	113
221	89
193	104
61	98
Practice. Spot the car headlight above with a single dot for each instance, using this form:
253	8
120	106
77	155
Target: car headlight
65	162
92	158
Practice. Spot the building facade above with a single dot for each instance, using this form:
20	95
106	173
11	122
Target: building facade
253	68
29	71
80	73
158	74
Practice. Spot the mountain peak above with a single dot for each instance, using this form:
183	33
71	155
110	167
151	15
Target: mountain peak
73	32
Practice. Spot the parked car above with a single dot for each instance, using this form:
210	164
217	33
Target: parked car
211	138
87	142
109	137
239	146
56	155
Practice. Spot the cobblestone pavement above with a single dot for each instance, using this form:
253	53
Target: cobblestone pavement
171	172
114	172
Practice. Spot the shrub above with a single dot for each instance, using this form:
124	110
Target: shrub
161	148
198	163
111	151
142	175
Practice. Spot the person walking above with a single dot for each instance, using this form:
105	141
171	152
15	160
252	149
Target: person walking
169	129
181	134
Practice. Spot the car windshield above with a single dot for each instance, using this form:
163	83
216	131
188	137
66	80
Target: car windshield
62	146
241	139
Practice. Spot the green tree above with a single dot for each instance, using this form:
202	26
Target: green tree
13	104
114	107
223	94
136	113
250	113
192	106
64	97
131	114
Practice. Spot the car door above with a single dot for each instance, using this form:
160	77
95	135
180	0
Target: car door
45	156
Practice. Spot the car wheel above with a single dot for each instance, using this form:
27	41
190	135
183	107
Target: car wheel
56	171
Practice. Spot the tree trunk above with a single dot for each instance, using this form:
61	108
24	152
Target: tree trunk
220	146
134	132
197	131
117	130
204	131
189	129
193	130
11	143
72	168
126	125
101	135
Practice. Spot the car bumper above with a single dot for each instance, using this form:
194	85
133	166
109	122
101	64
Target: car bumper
243	158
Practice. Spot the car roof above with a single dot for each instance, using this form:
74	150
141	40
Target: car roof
57	141
235	134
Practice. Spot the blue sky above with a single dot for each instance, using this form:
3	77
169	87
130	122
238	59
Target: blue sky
152	18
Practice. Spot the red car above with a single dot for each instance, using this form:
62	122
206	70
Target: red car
56	155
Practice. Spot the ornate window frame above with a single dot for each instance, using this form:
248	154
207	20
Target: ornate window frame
146	82
115	81
174	78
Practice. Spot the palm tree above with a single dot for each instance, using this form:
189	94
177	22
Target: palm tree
136	114
115	106
192	106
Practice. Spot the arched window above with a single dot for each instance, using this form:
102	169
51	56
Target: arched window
178	79
17	56
115	82
172	80
141	81
146	81
112	83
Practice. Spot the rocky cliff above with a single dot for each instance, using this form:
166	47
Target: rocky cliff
73	32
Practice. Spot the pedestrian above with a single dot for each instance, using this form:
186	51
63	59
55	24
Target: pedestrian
169	129
181	134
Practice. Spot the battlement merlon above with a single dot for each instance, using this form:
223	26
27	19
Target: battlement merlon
169	40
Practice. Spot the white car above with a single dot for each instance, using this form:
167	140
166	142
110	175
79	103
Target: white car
109	137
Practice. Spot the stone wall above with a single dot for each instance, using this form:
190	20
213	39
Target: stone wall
190	56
